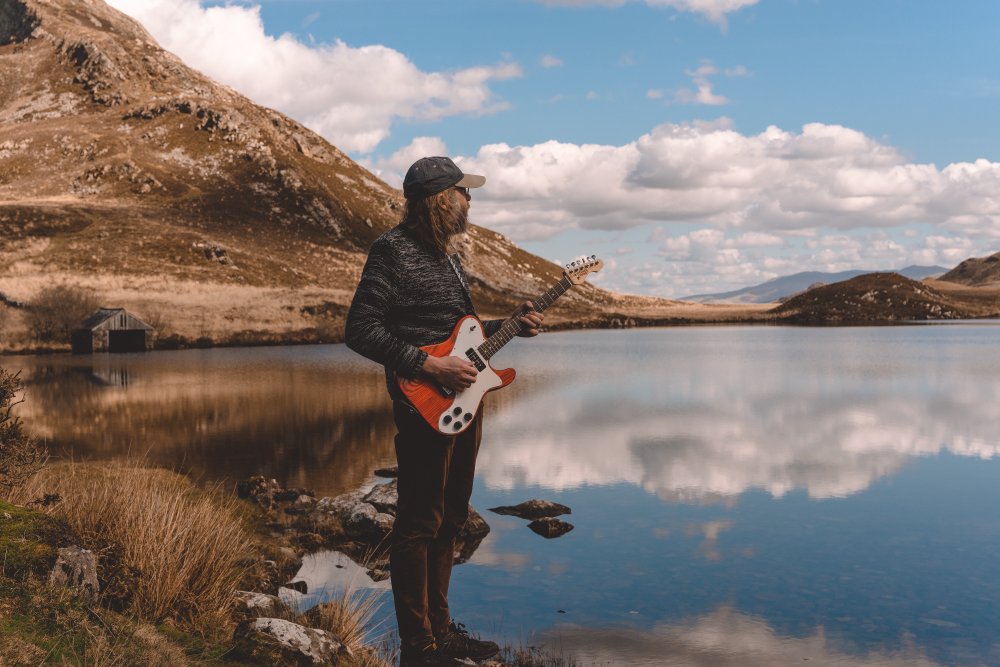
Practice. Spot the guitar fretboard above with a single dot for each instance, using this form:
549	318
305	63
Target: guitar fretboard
514	326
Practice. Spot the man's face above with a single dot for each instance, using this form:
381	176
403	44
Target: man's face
459	202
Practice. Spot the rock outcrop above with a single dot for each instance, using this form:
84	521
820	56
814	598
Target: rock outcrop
278	641
533	509
76	568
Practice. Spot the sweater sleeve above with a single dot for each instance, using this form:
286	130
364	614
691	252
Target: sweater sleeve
492	326
368	332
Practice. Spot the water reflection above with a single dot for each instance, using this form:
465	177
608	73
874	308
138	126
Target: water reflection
723	638
688	414
763	414
309	417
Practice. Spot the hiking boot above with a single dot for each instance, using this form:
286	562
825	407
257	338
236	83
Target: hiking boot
456	642
430	657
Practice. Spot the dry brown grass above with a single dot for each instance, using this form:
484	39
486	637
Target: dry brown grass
170	551
349	618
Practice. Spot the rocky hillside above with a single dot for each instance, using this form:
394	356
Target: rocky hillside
874	297
976	271
127	172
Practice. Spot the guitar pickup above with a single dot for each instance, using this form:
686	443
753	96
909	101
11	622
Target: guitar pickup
476	360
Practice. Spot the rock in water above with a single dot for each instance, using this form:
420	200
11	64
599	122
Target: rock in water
533	509
550	527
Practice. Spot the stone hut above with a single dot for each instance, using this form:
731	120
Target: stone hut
113	330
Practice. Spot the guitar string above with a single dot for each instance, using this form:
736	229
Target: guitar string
513	326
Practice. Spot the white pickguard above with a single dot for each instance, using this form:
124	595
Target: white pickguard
465	404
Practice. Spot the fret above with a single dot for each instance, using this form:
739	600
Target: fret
513	326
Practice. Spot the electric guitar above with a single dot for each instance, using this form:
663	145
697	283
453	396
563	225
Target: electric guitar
451	412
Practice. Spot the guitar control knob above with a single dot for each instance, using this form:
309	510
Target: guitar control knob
457	411
458	426
447	419
468	416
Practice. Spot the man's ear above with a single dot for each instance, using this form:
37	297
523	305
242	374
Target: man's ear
441	199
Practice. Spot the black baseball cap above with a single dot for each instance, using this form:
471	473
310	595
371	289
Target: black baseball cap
431	175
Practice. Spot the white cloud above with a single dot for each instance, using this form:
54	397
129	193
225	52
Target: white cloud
654	94
703	93
733	210
351	96
825	176
549	61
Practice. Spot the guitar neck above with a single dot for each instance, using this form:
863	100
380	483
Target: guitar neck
513	326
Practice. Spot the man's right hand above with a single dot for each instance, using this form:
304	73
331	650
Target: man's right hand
454	373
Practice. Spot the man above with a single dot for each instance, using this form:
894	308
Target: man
412	293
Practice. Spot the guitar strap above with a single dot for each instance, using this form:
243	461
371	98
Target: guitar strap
457	268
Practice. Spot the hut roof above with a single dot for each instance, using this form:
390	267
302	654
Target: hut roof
102	315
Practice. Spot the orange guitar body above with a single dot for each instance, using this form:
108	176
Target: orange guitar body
451	412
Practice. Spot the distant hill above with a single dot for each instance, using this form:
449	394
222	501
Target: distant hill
976	271
787	286
873	297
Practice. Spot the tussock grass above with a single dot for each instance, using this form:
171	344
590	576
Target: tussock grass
349	618
170	551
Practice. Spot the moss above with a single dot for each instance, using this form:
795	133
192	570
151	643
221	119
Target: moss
29	540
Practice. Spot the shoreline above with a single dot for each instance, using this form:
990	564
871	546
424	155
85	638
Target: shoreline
267	339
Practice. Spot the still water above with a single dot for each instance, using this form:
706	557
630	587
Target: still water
741	496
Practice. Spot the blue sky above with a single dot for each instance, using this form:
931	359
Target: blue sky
696	145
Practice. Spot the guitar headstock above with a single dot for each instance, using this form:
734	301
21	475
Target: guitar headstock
577	271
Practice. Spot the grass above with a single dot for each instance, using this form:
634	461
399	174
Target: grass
349	618
168	551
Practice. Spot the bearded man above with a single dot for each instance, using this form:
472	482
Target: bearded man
412	293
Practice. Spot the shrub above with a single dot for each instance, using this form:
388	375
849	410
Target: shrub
57	310
20	455
169	551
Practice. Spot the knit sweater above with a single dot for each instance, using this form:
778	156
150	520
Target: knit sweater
407	298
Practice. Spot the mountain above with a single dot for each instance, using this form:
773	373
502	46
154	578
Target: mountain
786	286
128	173
976	271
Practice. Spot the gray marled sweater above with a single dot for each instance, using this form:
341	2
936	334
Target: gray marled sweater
407	298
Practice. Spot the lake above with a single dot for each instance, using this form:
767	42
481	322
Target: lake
740	495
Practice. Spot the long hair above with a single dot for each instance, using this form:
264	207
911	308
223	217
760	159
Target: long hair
434	226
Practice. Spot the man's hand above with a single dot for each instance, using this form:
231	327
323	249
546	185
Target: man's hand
452	372
530	318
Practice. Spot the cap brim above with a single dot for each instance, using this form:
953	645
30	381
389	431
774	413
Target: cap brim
471	181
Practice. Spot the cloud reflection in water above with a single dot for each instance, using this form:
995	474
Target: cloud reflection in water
722	638
713	422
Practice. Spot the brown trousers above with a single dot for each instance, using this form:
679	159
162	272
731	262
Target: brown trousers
435	483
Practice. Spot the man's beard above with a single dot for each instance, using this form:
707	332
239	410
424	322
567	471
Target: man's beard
460	223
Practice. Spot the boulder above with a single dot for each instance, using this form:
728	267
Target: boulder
533	509
252	604
384	497
475	527
279	642
550	527
366	521
76	568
